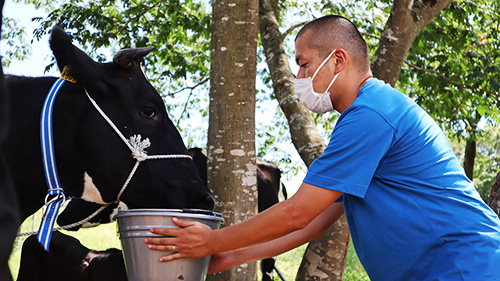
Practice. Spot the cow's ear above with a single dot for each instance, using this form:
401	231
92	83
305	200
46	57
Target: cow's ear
74	64
125	57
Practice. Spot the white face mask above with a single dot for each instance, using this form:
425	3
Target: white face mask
316	102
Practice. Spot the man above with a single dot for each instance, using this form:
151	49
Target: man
412	212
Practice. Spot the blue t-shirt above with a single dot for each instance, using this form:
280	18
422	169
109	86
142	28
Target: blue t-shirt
412	212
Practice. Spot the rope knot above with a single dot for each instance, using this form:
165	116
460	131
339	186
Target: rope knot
138	147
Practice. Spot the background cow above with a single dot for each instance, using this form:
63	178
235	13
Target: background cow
69	260
269	186
92	160
270	190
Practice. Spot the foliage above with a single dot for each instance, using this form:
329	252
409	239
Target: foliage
14	39
454	67
180	31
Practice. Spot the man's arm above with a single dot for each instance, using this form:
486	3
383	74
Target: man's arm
313	231
196	240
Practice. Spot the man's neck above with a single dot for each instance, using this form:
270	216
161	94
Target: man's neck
351	91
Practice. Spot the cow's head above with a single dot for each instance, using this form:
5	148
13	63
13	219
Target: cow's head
122	91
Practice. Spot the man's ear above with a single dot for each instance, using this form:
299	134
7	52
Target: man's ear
341	57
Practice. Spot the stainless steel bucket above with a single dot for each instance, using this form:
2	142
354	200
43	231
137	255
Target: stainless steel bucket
142	264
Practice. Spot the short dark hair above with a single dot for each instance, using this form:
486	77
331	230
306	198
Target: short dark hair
335	31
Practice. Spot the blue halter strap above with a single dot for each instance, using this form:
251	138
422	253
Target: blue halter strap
50	169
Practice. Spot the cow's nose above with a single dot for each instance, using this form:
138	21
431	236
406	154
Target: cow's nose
207	201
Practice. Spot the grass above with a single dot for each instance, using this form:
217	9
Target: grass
105	236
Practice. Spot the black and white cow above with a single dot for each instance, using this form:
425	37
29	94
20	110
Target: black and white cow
93	161
68	260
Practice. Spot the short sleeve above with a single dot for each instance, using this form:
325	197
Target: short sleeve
358	144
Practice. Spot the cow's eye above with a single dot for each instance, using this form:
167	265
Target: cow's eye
149	112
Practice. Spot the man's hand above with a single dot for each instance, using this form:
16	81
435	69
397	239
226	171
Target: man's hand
191	240
220	262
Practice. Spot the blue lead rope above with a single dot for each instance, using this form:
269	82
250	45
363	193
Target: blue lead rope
50	169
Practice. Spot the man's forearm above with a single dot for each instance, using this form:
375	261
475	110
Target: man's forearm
314	230
280	220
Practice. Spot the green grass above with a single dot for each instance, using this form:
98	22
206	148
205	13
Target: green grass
354	271
105	236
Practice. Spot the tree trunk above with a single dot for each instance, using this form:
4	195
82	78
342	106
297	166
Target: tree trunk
405	22
316	264
494	200
231	134
470	156
305	136
331	249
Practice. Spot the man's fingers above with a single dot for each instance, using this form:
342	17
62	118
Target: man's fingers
182	223
171	257
169	231
165	241
163	248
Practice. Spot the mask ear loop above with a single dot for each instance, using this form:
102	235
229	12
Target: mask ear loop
333	80
323	63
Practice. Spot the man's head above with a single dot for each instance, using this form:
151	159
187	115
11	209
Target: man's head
331	51
331	32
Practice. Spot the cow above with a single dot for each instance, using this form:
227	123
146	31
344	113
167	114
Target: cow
269	187
93	158
67	260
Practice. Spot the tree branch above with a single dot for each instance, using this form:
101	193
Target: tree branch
449	80
132	19
192	88
370	35
288	31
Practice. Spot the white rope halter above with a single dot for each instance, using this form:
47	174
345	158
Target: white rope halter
137	147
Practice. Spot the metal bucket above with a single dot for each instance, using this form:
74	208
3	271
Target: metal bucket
142	264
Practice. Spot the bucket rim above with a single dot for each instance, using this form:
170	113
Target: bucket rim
189	213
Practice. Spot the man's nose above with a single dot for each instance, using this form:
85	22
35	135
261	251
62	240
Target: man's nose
301	74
